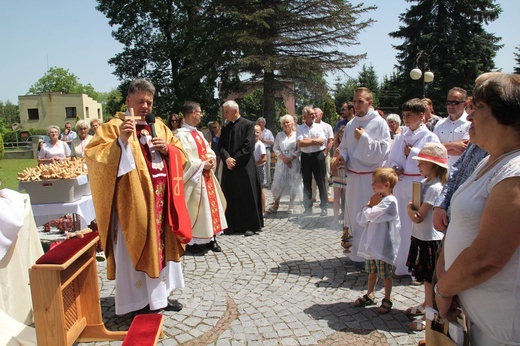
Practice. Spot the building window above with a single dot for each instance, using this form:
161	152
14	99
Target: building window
99	113
70	112
33	114
86	112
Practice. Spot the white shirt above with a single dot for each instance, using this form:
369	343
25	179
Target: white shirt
259	151
267	135
430	190
452	131
314	131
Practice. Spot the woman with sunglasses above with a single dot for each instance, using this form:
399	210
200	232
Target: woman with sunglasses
174	122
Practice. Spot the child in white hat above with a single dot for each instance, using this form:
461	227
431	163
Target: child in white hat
433	166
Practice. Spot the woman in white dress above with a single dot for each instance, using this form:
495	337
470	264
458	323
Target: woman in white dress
287	176
479	264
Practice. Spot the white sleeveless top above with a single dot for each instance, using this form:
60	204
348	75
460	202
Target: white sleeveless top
495	304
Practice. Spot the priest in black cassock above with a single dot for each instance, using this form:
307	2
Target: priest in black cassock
240	181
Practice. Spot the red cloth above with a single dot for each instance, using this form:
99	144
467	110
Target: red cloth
178	217
66	250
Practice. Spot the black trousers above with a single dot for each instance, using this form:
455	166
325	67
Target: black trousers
314	164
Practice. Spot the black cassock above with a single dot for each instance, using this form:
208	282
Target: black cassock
241	185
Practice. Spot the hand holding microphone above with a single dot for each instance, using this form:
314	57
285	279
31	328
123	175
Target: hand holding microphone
158	143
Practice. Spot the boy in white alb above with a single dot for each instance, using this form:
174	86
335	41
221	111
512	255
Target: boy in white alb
380	238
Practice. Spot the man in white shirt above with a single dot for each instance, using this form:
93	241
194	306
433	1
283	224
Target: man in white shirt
310	139
364	147
453	131
329	135
267	138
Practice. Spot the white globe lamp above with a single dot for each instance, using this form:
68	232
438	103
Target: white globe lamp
415	74
428	76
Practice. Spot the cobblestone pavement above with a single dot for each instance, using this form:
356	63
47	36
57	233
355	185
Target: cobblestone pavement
288	285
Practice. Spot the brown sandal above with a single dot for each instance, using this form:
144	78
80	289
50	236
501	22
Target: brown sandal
386	306
361	302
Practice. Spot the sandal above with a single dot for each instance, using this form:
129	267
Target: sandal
272	210
416	310
386	306
417	326
361	302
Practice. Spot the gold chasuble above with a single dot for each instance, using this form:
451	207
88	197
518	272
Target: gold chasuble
148	201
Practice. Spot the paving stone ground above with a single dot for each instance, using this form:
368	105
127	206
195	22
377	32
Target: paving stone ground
289	285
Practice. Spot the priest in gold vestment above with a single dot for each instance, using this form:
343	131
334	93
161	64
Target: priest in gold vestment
137	189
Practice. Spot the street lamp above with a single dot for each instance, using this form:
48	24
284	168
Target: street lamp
417	73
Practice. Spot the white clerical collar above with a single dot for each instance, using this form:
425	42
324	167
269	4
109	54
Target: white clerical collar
189	127
234	121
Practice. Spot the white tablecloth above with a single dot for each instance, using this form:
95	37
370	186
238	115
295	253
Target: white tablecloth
84	208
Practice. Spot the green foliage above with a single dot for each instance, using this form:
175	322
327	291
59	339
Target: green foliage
2	149
329	111
344	92
517	58
448	38
368	79
112	102
9	113
251	105
58	79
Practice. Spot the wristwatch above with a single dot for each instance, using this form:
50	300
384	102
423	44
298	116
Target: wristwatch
436	290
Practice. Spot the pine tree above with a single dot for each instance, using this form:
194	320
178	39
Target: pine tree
448	38
517	58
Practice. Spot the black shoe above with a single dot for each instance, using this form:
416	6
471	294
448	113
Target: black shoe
249	233
307	212
229	231
323	212
213	246
195	248
173	305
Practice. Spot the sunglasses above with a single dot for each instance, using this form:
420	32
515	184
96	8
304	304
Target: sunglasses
453	103
174	120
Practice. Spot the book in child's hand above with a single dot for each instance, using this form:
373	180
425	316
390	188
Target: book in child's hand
416	195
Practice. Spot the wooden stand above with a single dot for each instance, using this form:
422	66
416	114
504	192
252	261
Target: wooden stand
65	295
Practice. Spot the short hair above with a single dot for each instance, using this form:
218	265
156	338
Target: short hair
189	107
414	105
231	104
81	124
140	84
307	109
393	117
49	128
386	175
366	91
484	76
68	123
502	94
286	117
260	119
93	121
463	92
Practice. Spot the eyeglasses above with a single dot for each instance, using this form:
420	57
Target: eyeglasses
453	103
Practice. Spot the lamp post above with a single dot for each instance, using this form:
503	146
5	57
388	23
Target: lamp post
417	73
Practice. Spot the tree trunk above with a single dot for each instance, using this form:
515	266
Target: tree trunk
269	109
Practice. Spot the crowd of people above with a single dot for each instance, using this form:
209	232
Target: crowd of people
462	225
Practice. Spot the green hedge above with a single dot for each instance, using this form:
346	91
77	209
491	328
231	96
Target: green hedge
10	135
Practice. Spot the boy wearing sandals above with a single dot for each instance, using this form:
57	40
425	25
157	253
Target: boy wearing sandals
380	239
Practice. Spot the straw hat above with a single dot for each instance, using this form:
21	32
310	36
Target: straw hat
435	153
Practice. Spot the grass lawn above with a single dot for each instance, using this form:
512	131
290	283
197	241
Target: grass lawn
9	168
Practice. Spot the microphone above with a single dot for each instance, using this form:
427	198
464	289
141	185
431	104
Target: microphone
150	120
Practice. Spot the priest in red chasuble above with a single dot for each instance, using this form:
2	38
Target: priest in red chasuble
204	198
135	174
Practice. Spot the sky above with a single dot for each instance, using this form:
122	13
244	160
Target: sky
73	35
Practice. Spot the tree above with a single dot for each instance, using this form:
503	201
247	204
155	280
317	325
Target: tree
448	38
517	58
60	79
185	47
9	113
368	79
112	102
344	92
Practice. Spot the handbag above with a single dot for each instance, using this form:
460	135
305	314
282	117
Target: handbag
442	332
